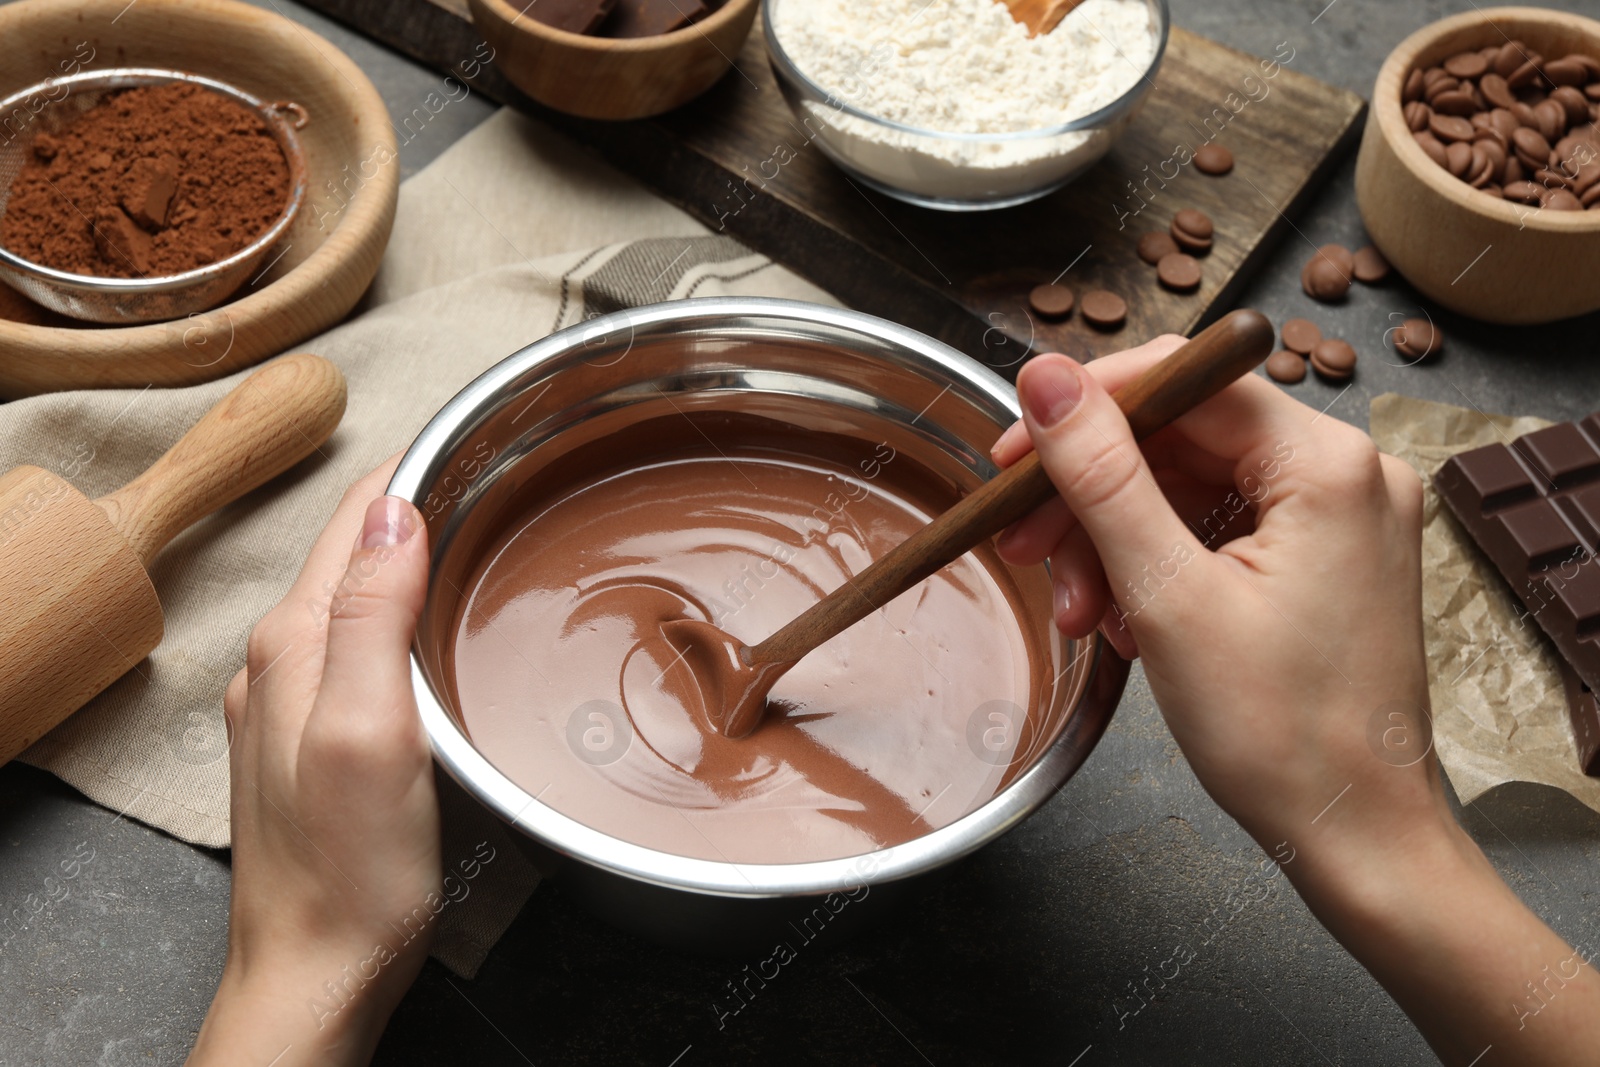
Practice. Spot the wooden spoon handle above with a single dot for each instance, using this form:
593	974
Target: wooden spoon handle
272	420
1230	347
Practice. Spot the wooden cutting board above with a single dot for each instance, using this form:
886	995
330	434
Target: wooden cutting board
964	277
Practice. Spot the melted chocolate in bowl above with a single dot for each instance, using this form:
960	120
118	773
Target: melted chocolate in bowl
913	718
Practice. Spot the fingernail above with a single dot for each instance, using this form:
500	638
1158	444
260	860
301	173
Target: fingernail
1053	390
389	522
1007	536
1062	600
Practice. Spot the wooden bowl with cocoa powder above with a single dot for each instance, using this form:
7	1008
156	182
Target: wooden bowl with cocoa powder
1484	257
324	261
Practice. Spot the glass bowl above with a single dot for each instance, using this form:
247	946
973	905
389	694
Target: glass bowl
947	170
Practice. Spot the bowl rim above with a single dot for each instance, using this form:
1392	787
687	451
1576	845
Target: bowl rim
513	19
1104	681
280	126
1386	110
1094	120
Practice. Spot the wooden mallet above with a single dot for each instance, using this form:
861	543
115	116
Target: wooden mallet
77	608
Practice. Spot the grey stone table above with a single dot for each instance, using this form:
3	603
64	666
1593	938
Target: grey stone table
1022	955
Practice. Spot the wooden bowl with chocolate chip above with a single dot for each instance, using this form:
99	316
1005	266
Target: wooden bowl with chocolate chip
1479	171
614	59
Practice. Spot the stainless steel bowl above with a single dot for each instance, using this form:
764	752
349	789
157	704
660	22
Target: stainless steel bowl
525	412
50	105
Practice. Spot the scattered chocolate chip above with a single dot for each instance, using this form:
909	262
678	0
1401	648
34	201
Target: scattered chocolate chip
1301	335
1323	280
1563	200
1051	300
1417	339
1193	231
1370	266
1287	367
1179	272
1104	309
1213	159
1334	359
1154	245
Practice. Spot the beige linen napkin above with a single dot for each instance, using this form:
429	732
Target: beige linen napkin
1499	707
513	233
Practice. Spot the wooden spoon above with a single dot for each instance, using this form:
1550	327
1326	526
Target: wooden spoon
1040	16
734	679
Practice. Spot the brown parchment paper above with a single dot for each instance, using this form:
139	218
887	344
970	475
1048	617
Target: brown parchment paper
1499	710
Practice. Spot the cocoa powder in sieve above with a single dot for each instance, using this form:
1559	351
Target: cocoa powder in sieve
148	182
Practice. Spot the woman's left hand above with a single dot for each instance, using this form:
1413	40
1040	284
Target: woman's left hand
336	868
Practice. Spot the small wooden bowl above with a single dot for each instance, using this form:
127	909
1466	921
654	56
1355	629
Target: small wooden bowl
609	77
1471	252
326	259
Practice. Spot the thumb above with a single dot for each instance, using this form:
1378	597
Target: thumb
374	613
1087	448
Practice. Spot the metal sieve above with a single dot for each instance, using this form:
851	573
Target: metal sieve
49	106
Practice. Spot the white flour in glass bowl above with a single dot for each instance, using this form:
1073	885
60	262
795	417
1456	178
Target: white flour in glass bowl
962	67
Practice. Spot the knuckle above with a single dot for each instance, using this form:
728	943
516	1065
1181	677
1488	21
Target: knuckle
1353	464
1105	473
269	639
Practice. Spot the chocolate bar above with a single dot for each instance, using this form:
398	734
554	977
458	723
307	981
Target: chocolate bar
648	18
1533	507
574	16
1585	711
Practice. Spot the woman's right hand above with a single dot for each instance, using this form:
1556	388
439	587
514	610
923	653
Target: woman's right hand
1264	562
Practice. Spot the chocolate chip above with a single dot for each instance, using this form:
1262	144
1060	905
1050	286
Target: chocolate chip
1458	158
1286	367
1179	272
1051	300
1450	127
1495	90
1154	245
1340	257
1522	192
1213	159
1466	65
1301	335
1532	149
1334	359
1524	75
1370	266
1193	231
1417	115
1417	339
1106	310
1552	119
1574	102
1323	280
1455	102
1431	145
1562	200
1510	57
1412	90
1568	70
